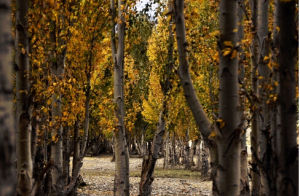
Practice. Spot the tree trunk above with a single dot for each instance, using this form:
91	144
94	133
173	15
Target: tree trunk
228	132
150	160
174	159
287	151
7	127
228	176
264	137
66	156
192	152
244	185
167	151
185	78
24	163
187	162
121	183
205	162
76	143
158	140
255	189
57	71
244	191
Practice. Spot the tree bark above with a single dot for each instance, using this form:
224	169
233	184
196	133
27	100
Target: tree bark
150	160
287	151
24	161
57	73
167	151
66	156
158	140
244	185
189	91
255	189
192	152
228	176
121	183
264	137
200	117
7	126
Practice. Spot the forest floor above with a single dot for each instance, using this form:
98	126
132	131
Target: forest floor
98	173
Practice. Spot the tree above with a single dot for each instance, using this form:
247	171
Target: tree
149	160
287	149
121	148
229	128
24	161
7	127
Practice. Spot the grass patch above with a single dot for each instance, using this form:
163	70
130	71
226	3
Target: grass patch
158	173
171	173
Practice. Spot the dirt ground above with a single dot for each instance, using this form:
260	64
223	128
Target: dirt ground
98	173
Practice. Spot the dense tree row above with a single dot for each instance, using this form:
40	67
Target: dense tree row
188	79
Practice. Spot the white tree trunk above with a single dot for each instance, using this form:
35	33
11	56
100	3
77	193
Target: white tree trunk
121	184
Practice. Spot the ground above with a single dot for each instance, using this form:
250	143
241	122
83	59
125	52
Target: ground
98	173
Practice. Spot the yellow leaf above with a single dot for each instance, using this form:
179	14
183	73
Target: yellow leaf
228	43
23	51
234	54
44	109
48	102
221	123
270	65
266	58
260	77
215	33
226	52
212	134
235	30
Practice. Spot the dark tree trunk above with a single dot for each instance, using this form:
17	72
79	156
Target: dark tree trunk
150	160
24	160
7	124
287	151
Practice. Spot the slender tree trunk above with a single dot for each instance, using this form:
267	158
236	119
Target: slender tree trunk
228	176
265	151
205	164
255	189
24	163
167	151
244	185
200	117
66	156
275	119
150	160
76	143
192	152
121	183
57	71
7	125
287	151
158	140
187	162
